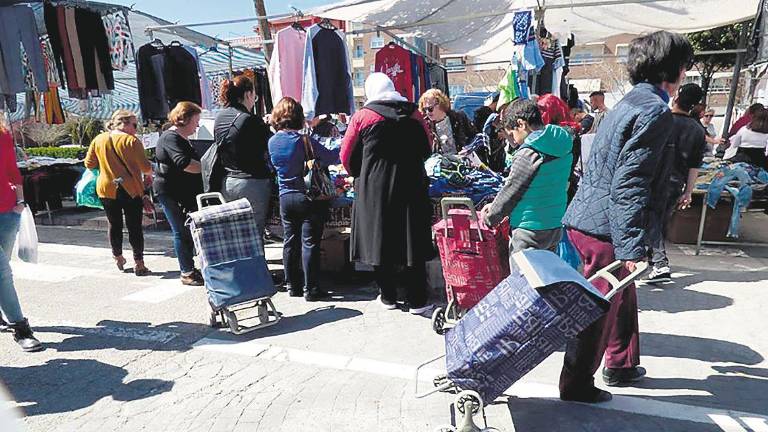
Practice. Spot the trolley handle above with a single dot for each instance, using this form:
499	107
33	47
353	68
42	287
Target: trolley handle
464	202
616	284
210	195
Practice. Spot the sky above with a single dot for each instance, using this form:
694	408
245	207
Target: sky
189	11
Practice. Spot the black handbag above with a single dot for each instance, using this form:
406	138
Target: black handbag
317	178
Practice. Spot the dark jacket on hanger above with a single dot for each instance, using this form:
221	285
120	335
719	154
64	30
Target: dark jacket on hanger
165	75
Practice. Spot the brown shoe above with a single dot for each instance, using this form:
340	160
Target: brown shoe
120	262
140	269
191	279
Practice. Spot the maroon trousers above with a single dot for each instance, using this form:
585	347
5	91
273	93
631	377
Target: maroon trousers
616	334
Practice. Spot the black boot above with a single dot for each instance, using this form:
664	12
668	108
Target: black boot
23	335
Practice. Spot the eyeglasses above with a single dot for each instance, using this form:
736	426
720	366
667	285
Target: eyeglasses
429	108
709	115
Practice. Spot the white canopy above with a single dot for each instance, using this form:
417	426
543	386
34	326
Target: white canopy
481	29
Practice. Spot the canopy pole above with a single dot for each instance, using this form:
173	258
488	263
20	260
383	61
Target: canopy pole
230	53
735	79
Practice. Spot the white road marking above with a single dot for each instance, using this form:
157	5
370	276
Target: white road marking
726	423
48	272
725	419
161	292
756	424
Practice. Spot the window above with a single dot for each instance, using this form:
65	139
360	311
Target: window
359	77
377	42
358	52
589	54
456	89
455	64
622	52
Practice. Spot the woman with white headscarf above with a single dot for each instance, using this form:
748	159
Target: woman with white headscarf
384	148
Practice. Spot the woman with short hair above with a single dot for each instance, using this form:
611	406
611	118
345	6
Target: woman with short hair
123	167
451	130
178	182
303	219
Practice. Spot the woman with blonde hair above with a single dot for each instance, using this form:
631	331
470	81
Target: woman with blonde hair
451	130
121	161
178	182
11	206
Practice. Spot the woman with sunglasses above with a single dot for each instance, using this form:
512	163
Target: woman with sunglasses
451	130
713	141
123	173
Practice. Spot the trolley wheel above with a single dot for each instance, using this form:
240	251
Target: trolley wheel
469	395
263	312
212	319
438	321
445	429
231	320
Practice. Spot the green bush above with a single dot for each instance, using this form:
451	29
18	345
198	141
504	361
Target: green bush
58	152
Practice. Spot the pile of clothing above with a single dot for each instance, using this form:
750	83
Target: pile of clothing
452	176
741	180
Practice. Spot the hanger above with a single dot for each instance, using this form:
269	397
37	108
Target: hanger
157	43
296	25
326	24
175	43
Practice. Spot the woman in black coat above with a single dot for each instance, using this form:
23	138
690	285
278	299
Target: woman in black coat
384	148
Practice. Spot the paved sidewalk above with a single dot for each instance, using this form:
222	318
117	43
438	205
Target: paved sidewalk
130	354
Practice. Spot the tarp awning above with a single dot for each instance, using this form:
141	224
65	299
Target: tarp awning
482	30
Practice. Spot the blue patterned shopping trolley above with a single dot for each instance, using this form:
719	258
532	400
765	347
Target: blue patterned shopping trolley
532	313
231	252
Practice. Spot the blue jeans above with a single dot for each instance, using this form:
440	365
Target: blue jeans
9	301
741	196
182	237
303	222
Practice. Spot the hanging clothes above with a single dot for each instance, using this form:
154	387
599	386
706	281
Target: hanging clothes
552	70
74	44
119	39
51	71
286	68
166	75
94	47
18	27
438	77
327	73
205	90
395	61
508	87
264	103
54	114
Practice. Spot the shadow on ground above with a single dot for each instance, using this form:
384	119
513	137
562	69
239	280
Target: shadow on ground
527	415
679	296
126	336
297	323
703	349
61	385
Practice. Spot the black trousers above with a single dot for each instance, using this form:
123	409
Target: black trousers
132	208
412	279
303	223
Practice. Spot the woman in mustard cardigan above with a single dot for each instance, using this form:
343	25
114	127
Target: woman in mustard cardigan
123	172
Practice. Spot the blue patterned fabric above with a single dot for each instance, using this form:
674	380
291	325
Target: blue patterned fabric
522	22
527	317
230	248
226	232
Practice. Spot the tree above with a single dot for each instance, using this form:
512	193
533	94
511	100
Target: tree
717	39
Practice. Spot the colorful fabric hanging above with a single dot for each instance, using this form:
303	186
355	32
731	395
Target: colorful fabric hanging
54	114
120	40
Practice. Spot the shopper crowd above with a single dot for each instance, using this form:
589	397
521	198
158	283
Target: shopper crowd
615	204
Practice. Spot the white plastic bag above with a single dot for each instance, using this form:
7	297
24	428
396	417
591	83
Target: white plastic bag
26	240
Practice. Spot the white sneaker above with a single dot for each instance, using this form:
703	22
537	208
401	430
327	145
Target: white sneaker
659	275
423	311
